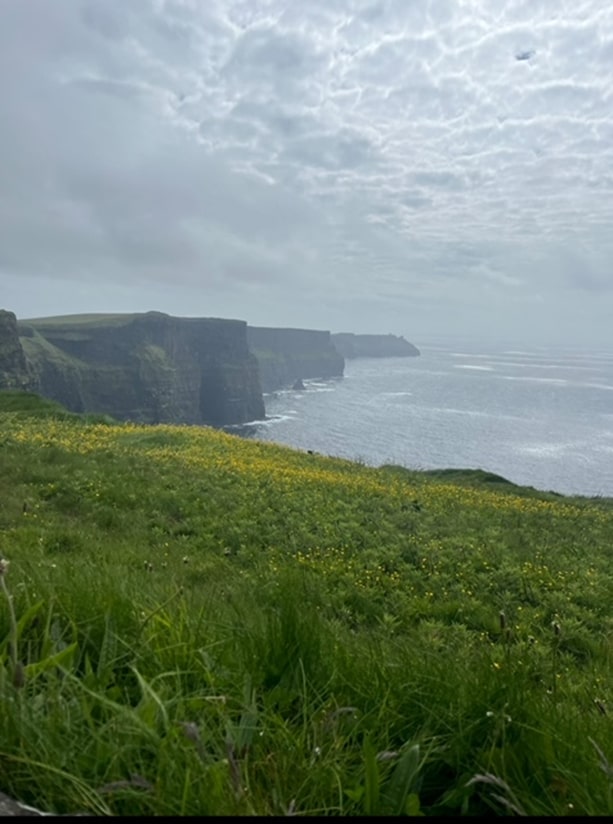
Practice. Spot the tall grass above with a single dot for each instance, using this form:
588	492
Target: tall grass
193	624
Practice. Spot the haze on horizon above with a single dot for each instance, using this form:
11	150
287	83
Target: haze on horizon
422	168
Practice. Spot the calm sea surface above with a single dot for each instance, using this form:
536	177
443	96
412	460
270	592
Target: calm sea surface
541	417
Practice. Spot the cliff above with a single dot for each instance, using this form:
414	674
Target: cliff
15	372
149	367
373	346
285	356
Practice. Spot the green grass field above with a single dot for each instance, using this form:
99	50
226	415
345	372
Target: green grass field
196	624
92	320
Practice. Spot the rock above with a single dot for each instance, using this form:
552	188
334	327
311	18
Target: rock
14	370
298	384
9	807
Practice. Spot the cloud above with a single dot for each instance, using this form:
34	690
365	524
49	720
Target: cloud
283	159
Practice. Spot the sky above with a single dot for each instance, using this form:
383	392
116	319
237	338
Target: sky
428	168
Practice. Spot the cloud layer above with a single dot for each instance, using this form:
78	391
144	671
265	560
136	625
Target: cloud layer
369	166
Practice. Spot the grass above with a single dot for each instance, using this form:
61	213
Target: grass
90	320
195	624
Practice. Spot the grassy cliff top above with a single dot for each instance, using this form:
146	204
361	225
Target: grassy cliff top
98	320
197	624
93	319
21	404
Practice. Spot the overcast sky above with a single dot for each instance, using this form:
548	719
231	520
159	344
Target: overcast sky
420	167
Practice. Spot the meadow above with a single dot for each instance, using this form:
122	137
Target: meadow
196	624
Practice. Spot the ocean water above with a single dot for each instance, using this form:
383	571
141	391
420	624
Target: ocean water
541	417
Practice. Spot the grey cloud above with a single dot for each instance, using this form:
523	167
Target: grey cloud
416	201
105	19
273	63
116	88
339	151
339	148
448	180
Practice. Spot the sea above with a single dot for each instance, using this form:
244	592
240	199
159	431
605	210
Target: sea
538	416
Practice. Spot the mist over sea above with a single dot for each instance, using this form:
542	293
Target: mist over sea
541	417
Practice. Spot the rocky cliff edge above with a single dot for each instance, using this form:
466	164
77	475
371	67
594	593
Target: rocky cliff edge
149	367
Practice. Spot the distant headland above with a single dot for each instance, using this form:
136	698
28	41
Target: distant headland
351	345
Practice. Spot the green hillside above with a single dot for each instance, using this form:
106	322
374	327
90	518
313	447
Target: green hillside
196	624
91	320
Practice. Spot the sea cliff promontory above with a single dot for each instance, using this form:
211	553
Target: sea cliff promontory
351	345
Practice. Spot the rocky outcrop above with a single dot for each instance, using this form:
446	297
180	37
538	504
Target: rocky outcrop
373	346
149	367
286	356
10	807
14	369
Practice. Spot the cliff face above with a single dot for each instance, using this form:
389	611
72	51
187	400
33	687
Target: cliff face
285	356
373	346
149	367
15	372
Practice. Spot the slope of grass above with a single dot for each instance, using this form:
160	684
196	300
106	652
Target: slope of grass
91	320
482	479
30	405
195	624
